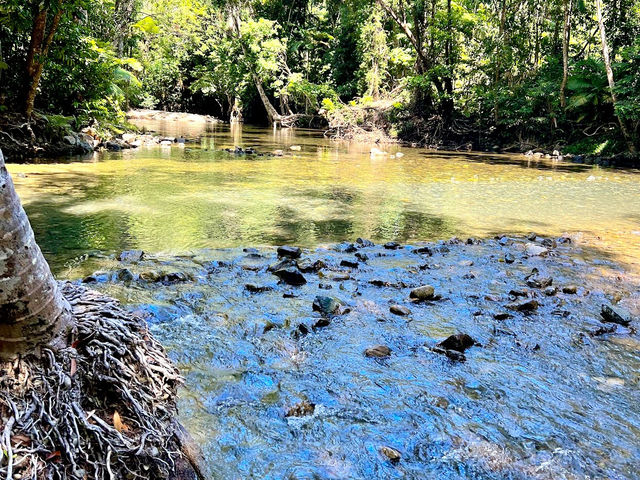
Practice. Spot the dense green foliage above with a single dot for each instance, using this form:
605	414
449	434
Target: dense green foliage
439	69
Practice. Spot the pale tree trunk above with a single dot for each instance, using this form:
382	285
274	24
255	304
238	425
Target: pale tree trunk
272	113
566	38
612	84
33	312
38	50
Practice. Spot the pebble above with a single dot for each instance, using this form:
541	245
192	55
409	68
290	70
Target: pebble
379	351
400	310
392	454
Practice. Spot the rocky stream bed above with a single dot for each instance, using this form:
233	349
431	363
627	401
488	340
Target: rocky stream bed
499	358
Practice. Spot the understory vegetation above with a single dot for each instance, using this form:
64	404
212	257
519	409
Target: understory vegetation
516	74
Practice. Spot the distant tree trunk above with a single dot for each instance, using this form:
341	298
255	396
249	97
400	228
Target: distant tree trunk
566	38
612	85
123	16
272	113
38	49
33	311
447	104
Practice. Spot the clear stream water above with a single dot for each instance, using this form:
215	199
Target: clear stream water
540	399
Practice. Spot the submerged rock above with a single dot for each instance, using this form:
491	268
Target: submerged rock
524	306
131	256
379	351
400	310
423	293
250	287
302	409
393	455
291	276
327	305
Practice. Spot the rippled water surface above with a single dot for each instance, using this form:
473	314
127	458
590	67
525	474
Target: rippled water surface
180	199
541	398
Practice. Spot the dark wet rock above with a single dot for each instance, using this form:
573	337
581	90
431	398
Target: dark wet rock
392	245
363	242
518	293
125	275
325	286
363	257
113	146
423	293
570	289
524	306
289	295
471	241
504	241
550	291
379	351
609	315
400	310
251	250
468	276
322	323
300	331
459	342
502	316
391	454
302	409
289	252
291	276
532	237
131	256
444	249
162	277
549	242
423	251
305	265
253	288
338	276
508	258
349	263
327	305
564	240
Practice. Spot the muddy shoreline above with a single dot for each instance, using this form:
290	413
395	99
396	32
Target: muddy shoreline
358	352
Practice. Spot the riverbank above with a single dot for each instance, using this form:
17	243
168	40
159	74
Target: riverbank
343	351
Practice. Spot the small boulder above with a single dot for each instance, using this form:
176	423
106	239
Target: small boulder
400	310
379	351
609	315
327	305
306	265
508	258
363	242
392	245
533	250
125	275
393	455
550	291
291	276
289	252
570	289
252	288
459	342
527	306
423	293
349	263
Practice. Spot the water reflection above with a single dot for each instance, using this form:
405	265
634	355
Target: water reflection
180	199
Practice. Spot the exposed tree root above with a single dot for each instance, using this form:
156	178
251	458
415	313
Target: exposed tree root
103	408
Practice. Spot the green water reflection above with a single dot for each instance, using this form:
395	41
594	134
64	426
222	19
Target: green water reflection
175	200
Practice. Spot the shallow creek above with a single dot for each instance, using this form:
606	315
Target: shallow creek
541	397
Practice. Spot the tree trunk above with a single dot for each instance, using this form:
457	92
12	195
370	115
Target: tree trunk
38	50
612	84
33	312
272	113
566	37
